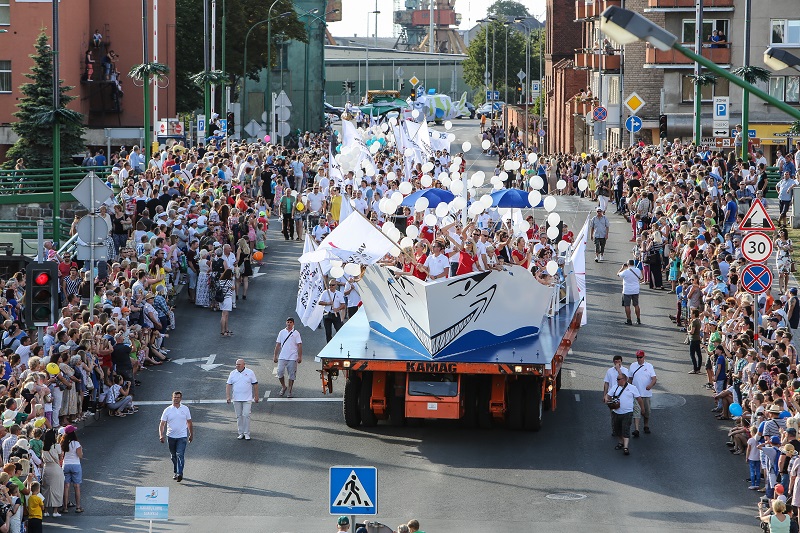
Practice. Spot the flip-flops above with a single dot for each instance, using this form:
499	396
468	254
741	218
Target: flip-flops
282	392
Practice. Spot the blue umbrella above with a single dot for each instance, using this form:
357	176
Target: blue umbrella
434	196
511	198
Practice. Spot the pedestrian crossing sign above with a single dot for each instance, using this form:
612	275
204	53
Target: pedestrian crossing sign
353	490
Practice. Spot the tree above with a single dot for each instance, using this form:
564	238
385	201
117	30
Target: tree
35	116
508	9
475	64
241	15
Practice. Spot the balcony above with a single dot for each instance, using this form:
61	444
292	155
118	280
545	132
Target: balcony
688	5
586	10
583	106
588	59
655	58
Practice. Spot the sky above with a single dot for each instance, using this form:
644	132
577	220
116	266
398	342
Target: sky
356	12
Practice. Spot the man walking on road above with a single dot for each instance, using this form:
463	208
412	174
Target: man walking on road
242	388
177	420
625	395
288	354
631	277
599	226
642	375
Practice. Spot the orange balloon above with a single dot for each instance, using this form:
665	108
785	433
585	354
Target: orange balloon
779	489
258	256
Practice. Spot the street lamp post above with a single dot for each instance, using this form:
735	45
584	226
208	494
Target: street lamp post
206	62
505	79
243	118
57	131
626	27
223	96
267	89
311	17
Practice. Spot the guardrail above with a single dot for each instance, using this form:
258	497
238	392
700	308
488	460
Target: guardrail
36	185
28	228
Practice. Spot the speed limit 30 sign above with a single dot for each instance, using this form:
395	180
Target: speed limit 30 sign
756	247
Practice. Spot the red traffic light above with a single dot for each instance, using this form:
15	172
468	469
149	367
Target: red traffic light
43	278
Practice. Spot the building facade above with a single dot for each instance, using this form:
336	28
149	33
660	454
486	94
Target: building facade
106	100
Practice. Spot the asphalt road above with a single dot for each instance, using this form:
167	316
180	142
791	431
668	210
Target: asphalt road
567	477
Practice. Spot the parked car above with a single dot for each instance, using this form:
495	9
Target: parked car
471	109
491	110
333	110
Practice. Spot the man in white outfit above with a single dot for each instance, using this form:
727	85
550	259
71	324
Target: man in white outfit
242	389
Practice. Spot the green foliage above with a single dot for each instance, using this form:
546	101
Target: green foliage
475	63
145	70
35	116
704	80
241	15
752	74
508	9
795	129
213	77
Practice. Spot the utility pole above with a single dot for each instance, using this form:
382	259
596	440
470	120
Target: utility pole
745	94
56	131
430	29
148	136
698	89
206	63
223	98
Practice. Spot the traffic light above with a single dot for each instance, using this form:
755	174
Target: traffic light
345	86
231	124
519	94
662	126
41	298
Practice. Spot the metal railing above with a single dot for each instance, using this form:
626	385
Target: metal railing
40	180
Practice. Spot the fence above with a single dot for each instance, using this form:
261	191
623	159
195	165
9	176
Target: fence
35	185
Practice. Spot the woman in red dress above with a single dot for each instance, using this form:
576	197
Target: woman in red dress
522	255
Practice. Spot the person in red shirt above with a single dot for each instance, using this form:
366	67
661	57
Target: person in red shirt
426	232
567	234
467	256
522	255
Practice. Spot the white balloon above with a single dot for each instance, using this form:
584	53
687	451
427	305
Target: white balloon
453	167
515	165
389	207
384	127
386	228
405	187
503	176
426	180
457	161
412	231
552	232
455	175
508	165
552	267
336	263
430	219
495	180
478	178
583	184
441	209
466	146
352	269
408	152
294	194
553	219
395	233
563	246
336	272
421	204
456	186
472	193
451	137
486	144
427	166
397	197
532	158
415	113
393	121
448	125
497	185
561	185
406	242
550	203
446	221
486	200
445	179
359	173
534	197
537	182
505	213
475	208
459	202
395	251
443	176
391	176
523	226
374	147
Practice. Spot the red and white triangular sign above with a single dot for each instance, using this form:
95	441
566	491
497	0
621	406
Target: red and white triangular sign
757	218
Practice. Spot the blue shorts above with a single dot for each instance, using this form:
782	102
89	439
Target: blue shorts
73	474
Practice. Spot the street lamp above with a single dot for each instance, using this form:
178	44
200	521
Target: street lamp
626	27
319	18
267	89
486	75
527	79
507	25
778	59
244	66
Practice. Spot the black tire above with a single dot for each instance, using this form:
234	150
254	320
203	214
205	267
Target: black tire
558	381
468	396
484	396
514	406
368	418
547	403
352	389
532	405
397	407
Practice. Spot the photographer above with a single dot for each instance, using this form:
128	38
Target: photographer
118	399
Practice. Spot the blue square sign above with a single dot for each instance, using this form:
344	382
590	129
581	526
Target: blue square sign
353	490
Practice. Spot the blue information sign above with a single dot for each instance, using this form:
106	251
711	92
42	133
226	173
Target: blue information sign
633	124
353	490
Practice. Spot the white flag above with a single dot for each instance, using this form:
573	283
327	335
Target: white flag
351	136
578	260
355	240
346	208
439	140
334	168
310	286
419	140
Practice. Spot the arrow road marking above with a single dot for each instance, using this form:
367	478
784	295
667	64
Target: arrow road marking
209	365
183	361
257	273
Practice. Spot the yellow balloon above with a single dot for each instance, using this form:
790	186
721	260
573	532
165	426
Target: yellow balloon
300	206
53	369
39	422
523	171
583	155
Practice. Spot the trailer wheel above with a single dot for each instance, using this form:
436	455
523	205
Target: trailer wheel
532	408
368	418
484	397
470	418
352	388
515	406
397	406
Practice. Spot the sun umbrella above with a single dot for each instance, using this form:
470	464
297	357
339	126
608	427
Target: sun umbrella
434	196
514	198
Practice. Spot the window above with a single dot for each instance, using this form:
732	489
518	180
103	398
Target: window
785	31
5	12
708	92
613	90
5	76
786	88
709	25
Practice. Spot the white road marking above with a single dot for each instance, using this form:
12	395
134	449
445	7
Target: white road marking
266	399
275	371
577	397
571	373
266	395
323	399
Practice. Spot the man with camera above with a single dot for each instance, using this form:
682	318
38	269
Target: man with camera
621	398
333	302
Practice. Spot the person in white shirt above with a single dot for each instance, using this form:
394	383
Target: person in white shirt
611	376
230	264
177	421
622	415
359	203
352	295
333	302
242	389
631	277
288	354
437	265
642	375
321	230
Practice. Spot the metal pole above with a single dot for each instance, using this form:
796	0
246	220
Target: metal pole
305	79
267	89
56	131
148	135
491	112
206	63
745	95
366	75
40	241
698	69
505	79
376	23
539	98
146	151
224	103
526	86
214	52
91	250
430	29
